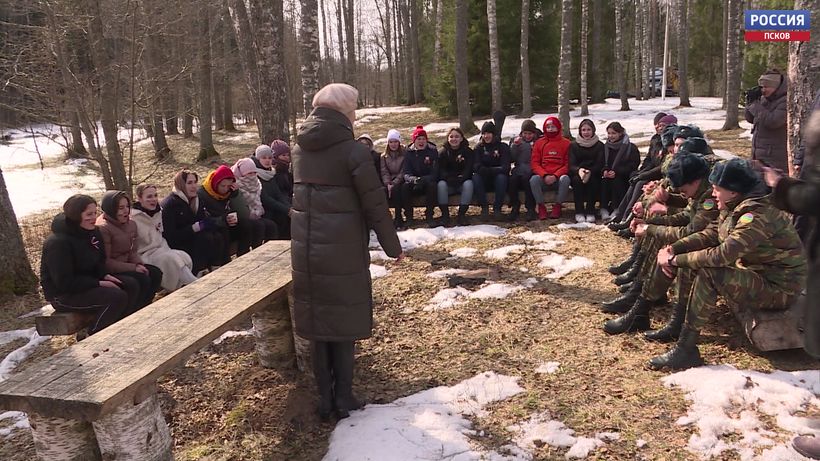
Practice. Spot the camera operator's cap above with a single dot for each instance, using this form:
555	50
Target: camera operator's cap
770	79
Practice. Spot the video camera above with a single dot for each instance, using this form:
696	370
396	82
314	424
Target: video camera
753	94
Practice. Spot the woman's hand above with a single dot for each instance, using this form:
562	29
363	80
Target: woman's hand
109	281
142	269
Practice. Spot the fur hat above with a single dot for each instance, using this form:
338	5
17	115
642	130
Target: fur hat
243	167
693	146
263	151
488	127
667	119
685	168
688	131
658	117
529	125
736	174
668	135
279	147
419	131
340	97
393	135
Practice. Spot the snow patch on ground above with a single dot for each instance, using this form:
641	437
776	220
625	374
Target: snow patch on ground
428	425
389	110
451	297
379	255
415	238
45	310
233	333
548	368
463	252
377	271
580	226
497	290
724	154
440	274
447	298
504	252
562	266
542	237
540	428
726	405
15	419
10	362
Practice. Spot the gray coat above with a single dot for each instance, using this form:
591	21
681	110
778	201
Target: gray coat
337	199
768	116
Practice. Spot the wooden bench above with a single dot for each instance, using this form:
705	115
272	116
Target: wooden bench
549	197
97	399
773	330
53	323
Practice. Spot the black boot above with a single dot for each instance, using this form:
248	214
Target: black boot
623	303
625	233
684	355
618	269
343	360
398	223
428	217
408	218
671	331
636	319
485	212
631	273
497	214
462	215
514	213
531	216
445	215
323	374
625	287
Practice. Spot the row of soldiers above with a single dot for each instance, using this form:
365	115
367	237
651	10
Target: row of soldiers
710	228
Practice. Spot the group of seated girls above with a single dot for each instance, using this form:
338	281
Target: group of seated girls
535	161
113	264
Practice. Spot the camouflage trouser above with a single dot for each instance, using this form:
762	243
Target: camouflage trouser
655	283
743	287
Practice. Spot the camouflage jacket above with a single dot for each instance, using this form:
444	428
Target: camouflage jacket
699	213
754	235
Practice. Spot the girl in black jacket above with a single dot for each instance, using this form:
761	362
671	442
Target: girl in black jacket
72	269
455	168
621	159
586	161
276	202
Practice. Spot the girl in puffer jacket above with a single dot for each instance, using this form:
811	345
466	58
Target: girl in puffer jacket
244	170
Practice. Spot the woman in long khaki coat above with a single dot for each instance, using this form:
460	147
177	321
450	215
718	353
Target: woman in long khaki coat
337	199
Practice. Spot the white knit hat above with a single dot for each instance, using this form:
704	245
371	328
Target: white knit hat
393	135
340	97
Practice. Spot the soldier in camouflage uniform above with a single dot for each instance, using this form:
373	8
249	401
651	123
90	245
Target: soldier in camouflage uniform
752	256
688	173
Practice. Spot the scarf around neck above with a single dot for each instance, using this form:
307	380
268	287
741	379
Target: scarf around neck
208	185
583	142
151	213
193	203
620	147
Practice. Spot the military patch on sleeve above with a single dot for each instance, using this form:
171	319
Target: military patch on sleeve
708	204
746	218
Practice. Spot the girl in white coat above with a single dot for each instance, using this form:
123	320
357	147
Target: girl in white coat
151	245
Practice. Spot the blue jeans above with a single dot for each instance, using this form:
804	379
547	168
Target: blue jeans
497	182
445	191
538	188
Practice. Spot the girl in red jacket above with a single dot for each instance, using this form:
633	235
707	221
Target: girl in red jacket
550	168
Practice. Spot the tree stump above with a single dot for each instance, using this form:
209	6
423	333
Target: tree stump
272	330
301	344
135	431
57	439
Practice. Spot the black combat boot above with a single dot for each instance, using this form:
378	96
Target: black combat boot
498	215
625	287
462	215
684	355
445	215
620	225
343	359
623	303
623	266
531	215
485	213
631	273
323	374
636	319
671	331
625	233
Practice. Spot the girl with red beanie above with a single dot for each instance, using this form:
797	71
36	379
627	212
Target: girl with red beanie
550	168
219	197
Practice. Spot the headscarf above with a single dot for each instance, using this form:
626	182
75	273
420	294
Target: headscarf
211	182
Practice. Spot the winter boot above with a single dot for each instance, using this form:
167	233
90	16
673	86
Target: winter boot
684	355
343	359
555	213
408	218
636	319
462	215
398	223
516	210
445	215
671	330
428	217
625	287
485	213
625	233
497	214
623	303
531	216
624	266
323	374
807	446
631	273
542	211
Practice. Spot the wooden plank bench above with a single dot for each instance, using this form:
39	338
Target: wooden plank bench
97	399
773	330
549	197
53	323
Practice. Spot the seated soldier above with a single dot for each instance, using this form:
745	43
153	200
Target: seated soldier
752	257
491	170
420	171
688	172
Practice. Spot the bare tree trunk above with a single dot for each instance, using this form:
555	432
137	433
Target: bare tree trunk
309	45
724	74
413	18
526	88
152	62
597	82
438	13
683	52
188	106
804	80
407	51
227	53
733	71
328	58
77	148
351	43
584	33
465	115
495	64
384	18
646	48
401	67
637	46
653	39
620	68
206	142
340	31
16	278
565	65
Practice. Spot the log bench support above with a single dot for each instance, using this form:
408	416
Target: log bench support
773	330
273	333
57	439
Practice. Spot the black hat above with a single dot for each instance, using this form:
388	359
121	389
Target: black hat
668	135
686	168
693	146
657	118
526	125
488	127
736	174
688	131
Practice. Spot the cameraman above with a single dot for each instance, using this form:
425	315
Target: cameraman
766	111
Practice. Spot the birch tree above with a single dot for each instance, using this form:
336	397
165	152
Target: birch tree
524	51
309	47
620	59
804	79
733	64
683	52
495	65
465	115
584	34
565	65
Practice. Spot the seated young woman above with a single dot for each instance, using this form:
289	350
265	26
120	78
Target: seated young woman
72	268
219	197
275	200
185	226
250	189
120	239
176	265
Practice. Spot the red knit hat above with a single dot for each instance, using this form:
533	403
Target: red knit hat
555	122
222	173
419	131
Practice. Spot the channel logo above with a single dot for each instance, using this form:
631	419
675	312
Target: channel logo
777	25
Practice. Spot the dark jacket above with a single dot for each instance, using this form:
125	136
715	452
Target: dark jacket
420	163
521	156
284	179
768	116
73	259
338	198
650	169
274	201
455	165
177	219
591	158
623	164
491	159
215	208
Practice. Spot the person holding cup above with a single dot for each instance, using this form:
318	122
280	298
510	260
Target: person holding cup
219	197
586	161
